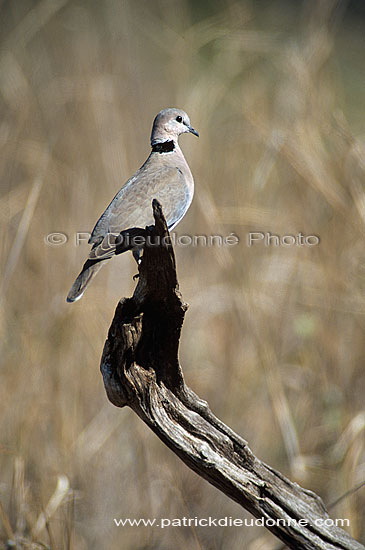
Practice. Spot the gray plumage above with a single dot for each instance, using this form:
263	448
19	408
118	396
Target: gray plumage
164	176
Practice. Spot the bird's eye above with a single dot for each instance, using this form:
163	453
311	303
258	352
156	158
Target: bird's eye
179	118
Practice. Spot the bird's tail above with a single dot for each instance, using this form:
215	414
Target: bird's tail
88	272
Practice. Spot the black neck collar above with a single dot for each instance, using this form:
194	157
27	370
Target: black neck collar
163	147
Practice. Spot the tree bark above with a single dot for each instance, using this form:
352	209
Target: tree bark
140	368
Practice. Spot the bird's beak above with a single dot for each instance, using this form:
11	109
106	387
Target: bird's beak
192	131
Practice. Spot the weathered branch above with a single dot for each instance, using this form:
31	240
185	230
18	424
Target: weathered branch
141	369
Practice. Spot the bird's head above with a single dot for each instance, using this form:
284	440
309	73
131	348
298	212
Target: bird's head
169	124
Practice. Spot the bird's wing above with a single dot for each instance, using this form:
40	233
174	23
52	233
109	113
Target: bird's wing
132	205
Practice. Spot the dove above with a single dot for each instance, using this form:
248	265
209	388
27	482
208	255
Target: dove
164	176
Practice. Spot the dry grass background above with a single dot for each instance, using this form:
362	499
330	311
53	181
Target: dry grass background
274	337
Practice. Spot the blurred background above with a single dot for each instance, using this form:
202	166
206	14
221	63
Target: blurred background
274	336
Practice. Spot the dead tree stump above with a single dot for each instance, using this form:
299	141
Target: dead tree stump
141	369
